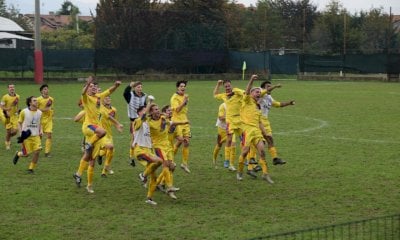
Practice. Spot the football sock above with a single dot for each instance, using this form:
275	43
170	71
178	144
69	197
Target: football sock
47	145
185	155
82	166
263	165
272	151
90	173
233	156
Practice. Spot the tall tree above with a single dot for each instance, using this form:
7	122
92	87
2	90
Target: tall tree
68	8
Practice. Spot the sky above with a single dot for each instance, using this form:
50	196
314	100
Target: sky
85	6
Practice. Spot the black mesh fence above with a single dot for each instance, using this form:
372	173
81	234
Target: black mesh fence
197	61
380	228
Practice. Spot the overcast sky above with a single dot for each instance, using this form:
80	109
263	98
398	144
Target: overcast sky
28	6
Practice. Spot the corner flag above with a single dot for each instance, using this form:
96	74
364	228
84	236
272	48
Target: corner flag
243	69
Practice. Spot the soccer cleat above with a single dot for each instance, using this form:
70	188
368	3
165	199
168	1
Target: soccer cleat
174	189
252	161
30	171
150	201
89	188
16	157
100	160
267	178
133	164
257	168
226	163
143	178
172	195
103	175
185	168
161	188
47	155
110	171
279	161
251	173
239	176
78	179
232	168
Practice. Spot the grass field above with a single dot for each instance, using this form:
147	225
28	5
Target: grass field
341	141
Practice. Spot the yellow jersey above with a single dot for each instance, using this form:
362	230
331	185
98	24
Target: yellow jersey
176	101
250	113
233	103
159	132
105	121
44	103
11	103
92	106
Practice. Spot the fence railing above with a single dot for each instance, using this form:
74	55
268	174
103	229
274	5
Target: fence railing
380	228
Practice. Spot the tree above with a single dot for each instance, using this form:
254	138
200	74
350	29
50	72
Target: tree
14	14
68	8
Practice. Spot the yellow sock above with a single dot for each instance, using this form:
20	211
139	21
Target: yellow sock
82	167
175	149
167	176
151	168
233	156
152	185
47	145
215	152
32	165
185	155
264	166
90	173
252	153
241	163
227	153
109	156
272	151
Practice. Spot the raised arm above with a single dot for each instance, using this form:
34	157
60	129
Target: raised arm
250	83
89	80
216	89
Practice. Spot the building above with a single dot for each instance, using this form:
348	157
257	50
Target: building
10	35
52	22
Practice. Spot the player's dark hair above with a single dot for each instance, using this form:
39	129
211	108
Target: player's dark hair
43	86
164	109
265	83
181	81
226	81
140	109
28	101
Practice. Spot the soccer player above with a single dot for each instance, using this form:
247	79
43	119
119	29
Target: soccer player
265	104
9	105
46	105
221	136
233	100
135	98
250	114
91	129
108	118
179	101
29	125
159	127
142	151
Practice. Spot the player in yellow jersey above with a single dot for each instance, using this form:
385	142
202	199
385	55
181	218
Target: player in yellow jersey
91	128
221	136
253	129
46	105
159	126
9	105
29	124
108	118
142	149
179	102
232	97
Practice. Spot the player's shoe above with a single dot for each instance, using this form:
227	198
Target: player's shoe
30	171
257	168
226	163
239	176
78	179
47	155
267	178
252	161
103	175
110	171
150	201
143	178
161	188
89	188
279	161
16	157
232	168
174	189
172	195
133	163
100	160
185	168
251	173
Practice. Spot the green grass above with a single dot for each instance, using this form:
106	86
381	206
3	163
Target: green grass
341	141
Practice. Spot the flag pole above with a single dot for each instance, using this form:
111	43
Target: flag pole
243	69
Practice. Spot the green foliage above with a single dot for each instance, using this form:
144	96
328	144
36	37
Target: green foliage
68	8
66	39
340	142
14	14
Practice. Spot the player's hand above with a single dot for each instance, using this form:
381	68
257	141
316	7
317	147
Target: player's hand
117	83
292	102
254	77
220	82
